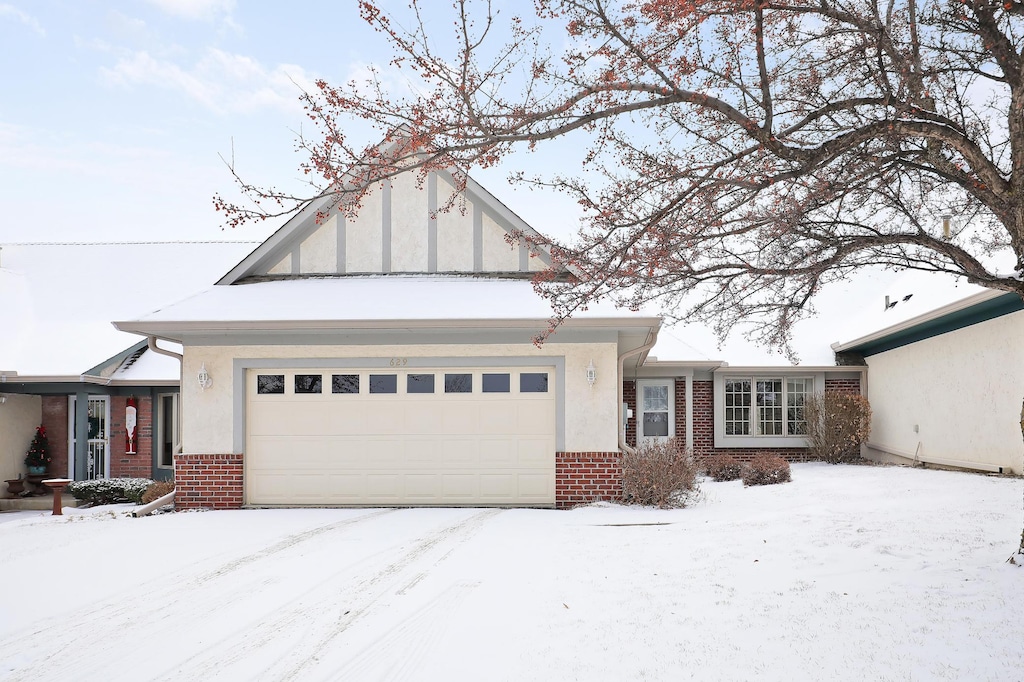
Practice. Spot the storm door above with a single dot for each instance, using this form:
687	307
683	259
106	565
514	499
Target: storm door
97	454
656	418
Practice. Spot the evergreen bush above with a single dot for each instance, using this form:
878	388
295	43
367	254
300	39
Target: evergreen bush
110	490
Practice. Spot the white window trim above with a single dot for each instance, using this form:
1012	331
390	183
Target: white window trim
639	412
724	441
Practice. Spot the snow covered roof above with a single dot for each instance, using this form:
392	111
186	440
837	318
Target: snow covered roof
915	299
57	299
366	302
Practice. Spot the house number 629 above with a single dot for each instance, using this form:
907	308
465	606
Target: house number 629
399	362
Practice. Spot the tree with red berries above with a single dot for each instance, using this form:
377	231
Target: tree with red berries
743	153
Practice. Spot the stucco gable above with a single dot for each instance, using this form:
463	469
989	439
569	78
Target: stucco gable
399	230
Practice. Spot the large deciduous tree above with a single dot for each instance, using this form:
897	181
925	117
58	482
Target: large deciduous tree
744	152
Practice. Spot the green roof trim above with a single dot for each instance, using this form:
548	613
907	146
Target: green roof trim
112	363
980	312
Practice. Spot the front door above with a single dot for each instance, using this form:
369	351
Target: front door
656	402
97	463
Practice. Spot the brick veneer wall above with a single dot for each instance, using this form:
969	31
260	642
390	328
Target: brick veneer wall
585	477
704	414
208	481
843	385
55	419
140	464
629	397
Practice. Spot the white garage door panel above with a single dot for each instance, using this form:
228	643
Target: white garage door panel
323	449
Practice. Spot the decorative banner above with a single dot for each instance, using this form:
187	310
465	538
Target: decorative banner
130	415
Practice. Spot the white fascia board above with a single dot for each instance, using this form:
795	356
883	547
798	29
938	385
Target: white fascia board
90	379
789	369
684	364
171	330
956	306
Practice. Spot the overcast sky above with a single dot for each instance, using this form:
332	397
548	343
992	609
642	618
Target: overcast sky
114	114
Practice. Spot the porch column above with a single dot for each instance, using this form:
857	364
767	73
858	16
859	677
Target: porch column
81	435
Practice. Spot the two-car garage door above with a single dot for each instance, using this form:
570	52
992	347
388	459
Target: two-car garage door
400	436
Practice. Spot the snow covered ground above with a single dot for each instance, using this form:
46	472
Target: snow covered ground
847	573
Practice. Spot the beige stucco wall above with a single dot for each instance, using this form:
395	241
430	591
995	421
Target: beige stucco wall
498	254
19	417
454	232
409	218
962	390
590	412
363	235
318	253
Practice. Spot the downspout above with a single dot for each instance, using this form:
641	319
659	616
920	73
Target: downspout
151	343
154	505
653	339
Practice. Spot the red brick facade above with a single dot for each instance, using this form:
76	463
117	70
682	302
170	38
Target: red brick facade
140	464
584	477
704	416
208	481
122	465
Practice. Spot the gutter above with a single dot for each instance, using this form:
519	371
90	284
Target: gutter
621	428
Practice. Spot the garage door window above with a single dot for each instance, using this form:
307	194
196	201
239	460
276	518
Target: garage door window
309	383
269	383
458	383
345	383
496	383
383	383
533	382
419	383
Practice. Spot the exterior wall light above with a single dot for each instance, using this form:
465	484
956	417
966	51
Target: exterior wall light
591	373
204	378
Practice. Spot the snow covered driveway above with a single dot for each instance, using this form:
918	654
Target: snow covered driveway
847	573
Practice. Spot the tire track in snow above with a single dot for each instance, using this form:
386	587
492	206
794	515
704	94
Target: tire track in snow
324	611
372	590
126	611
397	655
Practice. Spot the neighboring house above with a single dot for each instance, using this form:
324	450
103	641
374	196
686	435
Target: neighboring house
946	375
388	360
63	366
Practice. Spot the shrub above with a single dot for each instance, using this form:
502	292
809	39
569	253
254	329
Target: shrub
659	474
156	490
723	467
766	469
110	490
837	424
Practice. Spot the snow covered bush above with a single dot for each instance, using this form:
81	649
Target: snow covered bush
660	475
837	424
723	467
110	490
766	469
156	490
